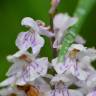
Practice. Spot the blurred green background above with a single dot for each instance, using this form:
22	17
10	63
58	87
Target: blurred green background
11	13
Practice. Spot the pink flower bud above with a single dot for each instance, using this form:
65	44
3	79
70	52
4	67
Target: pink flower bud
54	4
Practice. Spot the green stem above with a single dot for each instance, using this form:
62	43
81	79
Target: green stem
52	29
83	9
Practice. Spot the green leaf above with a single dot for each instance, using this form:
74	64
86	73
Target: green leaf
83	9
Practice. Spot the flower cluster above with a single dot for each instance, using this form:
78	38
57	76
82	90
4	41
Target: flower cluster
29	74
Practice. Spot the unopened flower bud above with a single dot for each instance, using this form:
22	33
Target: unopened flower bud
54	4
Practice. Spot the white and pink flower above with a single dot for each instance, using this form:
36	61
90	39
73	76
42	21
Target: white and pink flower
32	38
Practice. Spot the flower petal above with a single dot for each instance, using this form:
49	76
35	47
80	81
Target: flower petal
6	91
60	77
62	67
44	31
90	53
58	39
27	76
82	75
63	21
42	65
58	66
80	40
79	47
22	41
25	40
75	93
91	81
58	92
15	68
29	22
92	93
11	90
9	81
34	70
11	58
42	85
18	62
85	64
37	44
